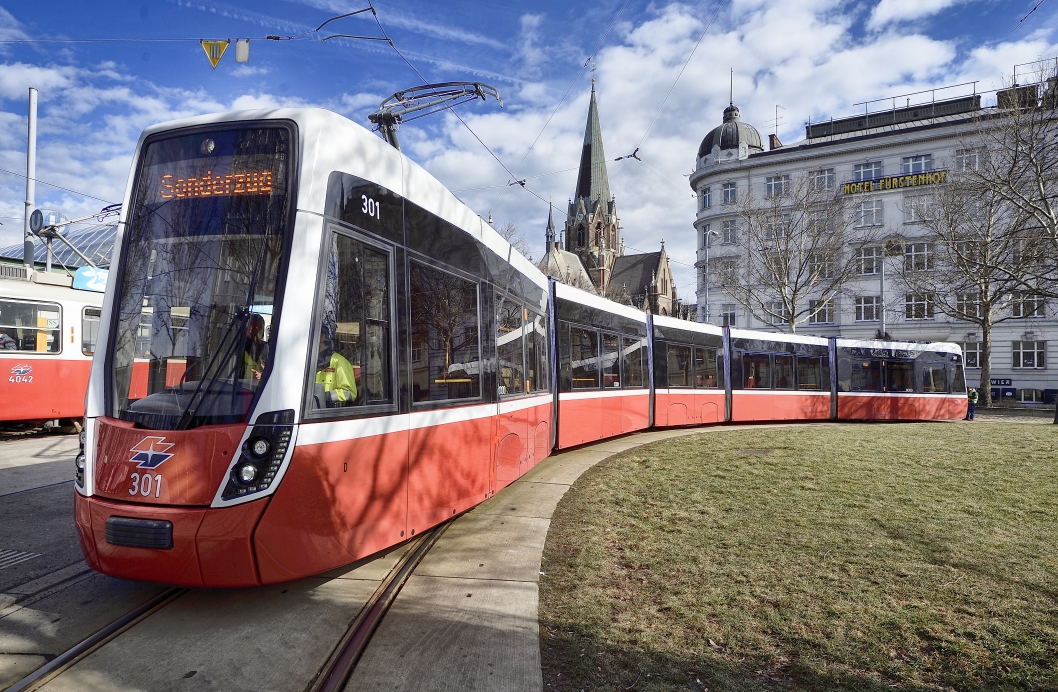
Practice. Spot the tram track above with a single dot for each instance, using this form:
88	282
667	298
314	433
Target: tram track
342	661
332	676
55	667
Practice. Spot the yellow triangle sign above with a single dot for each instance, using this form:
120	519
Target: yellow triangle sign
215	51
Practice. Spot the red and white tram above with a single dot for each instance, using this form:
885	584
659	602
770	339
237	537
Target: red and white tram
47	338
312	351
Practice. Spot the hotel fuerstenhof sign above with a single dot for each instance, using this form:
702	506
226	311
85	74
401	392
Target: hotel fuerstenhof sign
895	182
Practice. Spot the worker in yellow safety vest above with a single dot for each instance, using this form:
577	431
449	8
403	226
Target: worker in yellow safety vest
335	373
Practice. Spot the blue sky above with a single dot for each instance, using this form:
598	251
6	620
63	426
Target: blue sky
812	57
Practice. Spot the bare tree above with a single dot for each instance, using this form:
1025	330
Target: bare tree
971	268
1017	163
509	231
797	250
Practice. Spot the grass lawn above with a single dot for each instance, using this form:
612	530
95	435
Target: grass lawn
858	557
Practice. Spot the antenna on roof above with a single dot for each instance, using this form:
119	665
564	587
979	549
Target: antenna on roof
731	92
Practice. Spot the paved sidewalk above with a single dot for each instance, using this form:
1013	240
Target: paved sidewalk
467	619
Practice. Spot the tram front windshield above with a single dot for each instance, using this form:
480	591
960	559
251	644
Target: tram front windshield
197	284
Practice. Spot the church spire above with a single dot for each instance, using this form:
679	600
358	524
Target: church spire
549	233
592	181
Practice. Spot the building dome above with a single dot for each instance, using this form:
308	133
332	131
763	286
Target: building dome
730	134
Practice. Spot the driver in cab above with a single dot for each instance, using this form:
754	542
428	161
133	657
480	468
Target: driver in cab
335	374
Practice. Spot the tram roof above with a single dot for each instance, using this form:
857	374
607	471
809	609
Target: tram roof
331	142
95	242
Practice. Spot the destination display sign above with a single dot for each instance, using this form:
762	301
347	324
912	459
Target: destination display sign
221	185
894	182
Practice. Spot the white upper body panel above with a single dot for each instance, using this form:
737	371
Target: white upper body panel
591	300
700	327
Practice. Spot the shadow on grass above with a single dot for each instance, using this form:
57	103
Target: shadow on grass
577	661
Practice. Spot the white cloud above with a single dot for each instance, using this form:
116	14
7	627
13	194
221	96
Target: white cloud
249	71
889	11
801	54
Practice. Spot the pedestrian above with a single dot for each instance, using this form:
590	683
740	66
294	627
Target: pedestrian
971	403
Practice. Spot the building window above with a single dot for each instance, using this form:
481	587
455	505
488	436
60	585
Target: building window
1030	396
967	159
918	306
867	171
870	213
968	305
1027	305
777	313
1029	355
727	314
869	260
916	208
868	308
917	164
918	257
821	265
972	353
822	312
730	192
705	236
822	180
728	232
705	199
777	225
777	185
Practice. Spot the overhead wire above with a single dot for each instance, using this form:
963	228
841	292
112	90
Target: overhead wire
59	187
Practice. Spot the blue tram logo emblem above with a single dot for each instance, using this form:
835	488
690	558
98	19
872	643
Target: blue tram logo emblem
151	452
22	369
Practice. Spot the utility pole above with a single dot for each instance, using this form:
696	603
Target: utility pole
709	235
31	183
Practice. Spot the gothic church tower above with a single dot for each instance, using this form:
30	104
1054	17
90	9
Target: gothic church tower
593	231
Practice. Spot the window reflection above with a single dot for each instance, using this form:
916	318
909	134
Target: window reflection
900	376
353	366
444	322
536	345
756	369
509	345
810	373
611	364
679	361
633	361
705	371
585	356
784	372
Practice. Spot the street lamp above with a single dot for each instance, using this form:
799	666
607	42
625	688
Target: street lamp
707	242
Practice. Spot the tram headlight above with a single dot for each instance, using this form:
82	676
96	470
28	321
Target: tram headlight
260	447
247	472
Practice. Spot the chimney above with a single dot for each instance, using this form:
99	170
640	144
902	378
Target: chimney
773	142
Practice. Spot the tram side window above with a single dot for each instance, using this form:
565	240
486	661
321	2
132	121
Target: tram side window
536	346
935	378
680	365
784	372
509	340
705	370
584	360
28	326
611	361
810	373
958	380
866	376
89	330
756	368
900	376
633	362
444	320
353	365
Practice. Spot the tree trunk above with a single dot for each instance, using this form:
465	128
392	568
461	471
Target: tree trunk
985	388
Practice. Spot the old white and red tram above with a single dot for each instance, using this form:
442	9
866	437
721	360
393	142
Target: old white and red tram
47	339
312	351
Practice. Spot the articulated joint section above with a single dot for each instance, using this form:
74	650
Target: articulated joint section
262	455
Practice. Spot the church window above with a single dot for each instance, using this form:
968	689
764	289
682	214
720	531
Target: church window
580	236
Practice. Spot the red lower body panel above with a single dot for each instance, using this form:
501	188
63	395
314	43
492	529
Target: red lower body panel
211	547
769	405
677	407
586	419
897	407
36	389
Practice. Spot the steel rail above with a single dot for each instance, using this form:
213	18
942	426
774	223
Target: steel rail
53	668
342	661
